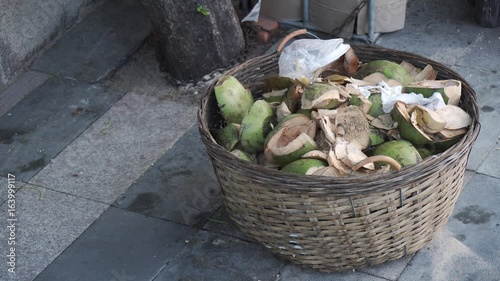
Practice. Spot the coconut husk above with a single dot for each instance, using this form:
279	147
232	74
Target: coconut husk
375	78
430	121
333	161
316	154
428	73
351	124
282	111
384	122
447	134
456	118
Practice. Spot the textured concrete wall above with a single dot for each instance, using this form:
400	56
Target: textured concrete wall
26	26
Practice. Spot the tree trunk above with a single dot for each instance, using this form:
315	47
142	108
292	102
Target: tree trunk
487	13
196	36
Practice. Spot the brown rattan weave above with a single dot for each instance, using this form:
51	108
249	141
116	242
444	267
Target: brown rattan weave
335	224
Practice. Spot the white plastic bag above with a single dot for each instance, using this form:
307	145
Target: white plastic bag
391	95
303	57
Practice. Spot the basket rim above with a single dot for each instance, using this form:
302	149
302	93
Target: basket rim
342	186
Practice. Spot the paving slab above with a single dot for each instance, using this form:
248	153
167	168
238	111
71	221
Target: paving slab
297	273
483	51
181	186
209	256
491	165
108	157
46	121
9	182
440	30
221	223
99	43
121	245
446	258
389	270
24	84
468	176
468	248
47	223
485	84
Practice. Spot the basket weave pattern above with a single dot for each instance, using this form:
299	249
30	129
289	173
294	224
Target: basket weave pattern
335	224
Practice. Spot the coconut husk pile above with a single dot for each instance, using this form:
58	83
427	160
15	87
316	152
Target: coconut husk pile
330	128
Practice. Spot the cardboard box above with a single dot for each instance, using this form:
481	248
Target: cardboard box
389	16
327	15
281	10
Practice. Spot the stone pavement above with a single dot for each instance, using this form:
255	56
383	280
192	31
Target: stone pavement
113	182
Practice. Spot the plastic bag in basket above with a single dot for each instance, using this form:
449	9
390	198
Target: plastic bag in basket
303	57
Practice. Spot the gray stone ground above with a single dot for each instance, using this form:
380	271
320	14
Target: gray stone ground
115	184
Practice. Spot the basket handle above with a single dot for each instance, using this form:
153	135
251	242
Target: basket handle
377	158
290	36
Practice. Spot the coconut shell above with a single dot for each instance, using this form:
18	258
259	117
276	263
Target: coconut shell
321	95
329	171
430	121
407	129
450	90
316	154
428	73
292	138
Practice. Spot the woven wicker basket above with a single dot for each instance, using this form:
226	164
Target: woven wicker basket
335	224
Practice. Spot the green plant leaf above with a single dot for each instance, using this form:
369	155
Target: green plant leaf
203	10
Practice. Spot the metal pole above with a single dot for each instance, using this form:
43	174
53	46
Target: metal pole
305	13
371	21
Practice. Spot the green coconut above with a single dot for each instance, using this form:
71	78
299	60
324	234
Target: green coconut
355	100
376	137
376	108
424	152
229	136
304	166
407	129
400	150
450	90
441	145
390	69
279	83
233	99
242	155
426	92
306	112
255	126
